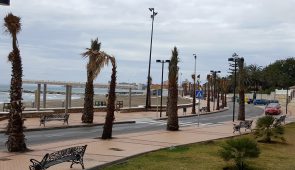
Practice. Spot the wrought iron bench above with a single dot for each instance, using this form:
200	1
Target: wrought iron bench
56	116
243	124
203	109
73	154
280	120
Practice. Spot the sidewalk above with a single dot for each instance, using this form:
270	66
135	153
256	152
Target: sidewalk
100	152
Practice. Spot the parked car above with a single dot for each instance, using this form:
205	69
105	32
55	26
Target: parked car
273	101
273	109
260	101
249	101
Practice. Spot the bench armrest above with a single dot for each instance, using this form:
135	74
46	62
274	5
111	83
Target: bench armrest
36	165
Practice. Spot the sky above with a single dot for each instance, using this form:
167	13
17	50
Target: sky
55	33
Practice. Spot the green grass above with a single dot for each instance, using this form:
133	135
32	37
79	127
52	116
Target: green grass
204	156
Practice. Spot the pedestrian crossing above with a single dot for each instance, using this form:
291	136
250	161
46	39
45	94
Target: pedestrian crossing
181	123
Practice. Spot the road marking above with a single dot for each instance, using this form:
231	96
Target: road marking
181	124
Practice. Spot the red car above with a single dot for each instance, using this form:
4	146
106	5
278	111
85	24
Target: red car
273	109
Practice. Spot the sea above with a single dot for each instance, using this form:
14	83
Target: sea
55	92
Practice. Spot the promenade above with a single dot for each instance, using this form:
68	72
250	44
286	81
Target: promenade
102	152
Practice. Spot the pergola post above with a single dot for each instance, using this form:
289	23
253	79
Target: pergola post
67	99
44	95
129	97
38	96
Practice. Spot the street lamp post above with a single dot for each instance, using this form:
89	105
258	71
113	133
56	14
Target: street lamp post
214	73
234	59
148	89
162	61
194	95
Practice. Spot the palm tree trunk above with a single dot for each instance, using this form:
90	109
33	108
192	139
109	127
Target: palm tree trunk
208	97
110	117
172	122
241	115
217	104
16	138
87	116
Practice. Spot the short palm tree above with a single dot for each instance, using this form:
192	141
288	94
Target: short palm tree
239	150
97	60
172	122
110	117
266	129
16	138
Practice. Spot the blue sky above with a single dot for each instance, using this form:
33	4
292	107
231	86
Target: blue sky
55	33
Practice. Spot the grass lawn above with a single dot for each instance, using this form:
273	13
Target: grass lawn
204	156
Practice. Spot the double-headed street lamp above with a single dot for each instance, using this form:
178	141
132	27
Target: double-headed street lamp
194	94
214	73
235	58
148	89
162	61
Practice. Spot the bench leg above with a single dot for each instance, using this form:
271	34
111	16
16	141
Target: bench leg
78	162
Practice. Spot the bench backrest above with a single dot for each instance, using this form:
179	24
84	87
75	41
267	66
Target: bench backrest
247	123
73	153
56	115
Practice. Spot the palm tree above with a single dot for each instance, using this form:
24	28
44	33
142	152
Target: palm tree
254	73
241	115
217	93
172	122
208	92
97	60
16	138
224	86
110	117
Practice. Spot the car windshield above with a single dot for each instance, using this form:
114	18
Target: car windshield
273	105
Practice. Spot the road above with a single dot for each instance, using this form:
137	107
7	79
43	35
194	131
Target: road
144	124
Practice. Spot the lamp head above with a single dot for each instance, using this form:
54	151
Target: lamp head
167	61
5	2
158	61
151	9
230	59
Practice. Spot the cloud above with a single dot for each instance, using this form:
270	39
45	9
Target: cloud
54	34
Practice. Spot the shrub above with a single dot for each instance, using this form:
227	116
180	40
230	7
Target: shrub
239	149
266	129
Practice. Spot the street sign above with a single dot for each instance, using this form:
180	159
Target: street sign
199	94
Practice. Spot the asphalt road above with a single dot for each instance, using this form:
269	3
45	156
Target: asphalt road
48	136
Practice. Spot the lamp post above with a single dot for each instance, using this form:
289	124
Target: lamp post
5	2
162	61
214	86
194	95
148	89
234	59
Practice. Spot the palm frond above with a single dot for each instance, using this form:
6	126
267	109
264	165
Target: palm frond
12	24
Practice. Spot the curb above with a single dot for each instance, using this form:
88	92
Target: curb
73	126
194	115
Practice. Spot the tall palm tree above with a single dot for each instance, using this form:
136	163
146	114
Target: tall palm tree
208	92
172	122
241	115
16	138
97	60
217	92
110	117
